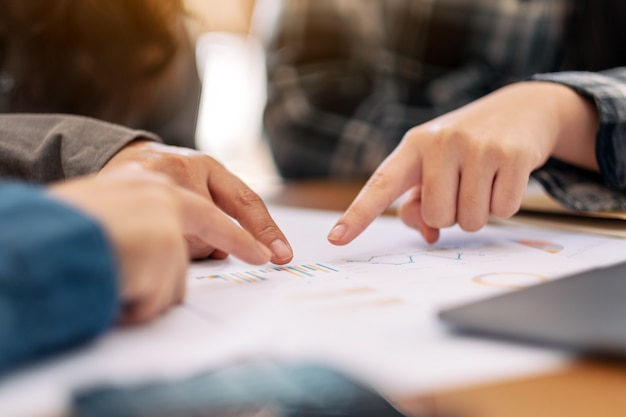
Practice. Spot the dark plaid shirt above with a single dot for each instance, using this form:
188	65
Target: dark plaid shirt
348	78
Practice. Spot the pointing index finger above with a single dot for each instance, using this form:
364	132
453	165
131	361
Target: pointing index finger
245	206
208	223
393	177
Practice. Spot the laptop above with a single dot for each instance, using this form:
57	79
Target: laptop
585	312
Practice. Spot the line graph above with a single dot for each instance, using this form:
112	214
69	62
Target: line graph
448	254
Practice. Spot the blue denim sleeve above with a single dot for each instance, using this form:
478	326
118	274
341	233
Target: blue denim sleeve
578	189
57	276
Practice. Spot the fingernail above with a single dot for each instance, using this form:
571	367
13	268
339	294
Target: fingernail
338	232
281	250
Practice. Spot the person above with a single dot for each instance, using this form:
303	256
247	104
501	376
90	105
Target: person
455	103
129	62
98	223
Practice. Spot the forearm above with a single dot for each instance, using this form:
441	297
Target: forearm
43	148
57	277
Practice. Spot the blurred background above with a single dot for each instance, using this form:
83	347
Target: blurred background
232	67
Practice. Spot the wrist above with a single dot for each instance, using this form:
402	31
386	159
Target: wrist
577	123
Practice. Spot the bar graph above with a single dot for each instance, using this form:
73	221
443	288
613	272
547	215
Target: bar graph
304	271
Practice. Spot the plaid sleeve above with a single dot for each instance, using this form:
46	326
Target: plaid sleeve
348	78
341	85
578	189
316	82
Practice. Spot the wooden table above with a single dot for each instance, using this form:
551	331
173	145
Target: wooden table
316	194
588	388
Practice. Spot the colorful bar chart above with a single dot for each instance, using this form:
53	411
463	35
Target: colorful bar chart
295	271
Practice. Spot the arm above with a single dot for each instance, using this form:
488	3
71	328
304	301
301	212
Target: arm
87	252
475	161
206	177
44	148
57	276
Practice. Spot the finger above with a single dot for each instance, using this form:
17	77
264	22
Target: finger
150	305
180	286
198	248
508	191
181	289
206	222
393	177
175	291
440	184
163	292
240	202
142	311
475	195
411	214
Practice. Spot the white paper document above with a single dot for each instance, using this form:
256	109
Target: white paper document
368	308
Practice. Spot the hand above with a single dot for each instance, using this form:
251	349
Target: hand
205	176
476	161
145	216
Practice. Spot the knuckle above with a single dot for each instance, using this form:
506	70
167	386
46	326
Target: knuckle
506	202
472	211
507	153
246	198
453	136
380	184
265	228
505	207
208	160
469	202
472	222
176	165
177	161
411	136
437	218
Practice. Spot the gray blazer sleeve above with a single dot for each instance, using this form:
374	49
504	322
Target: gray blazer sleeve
42	148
